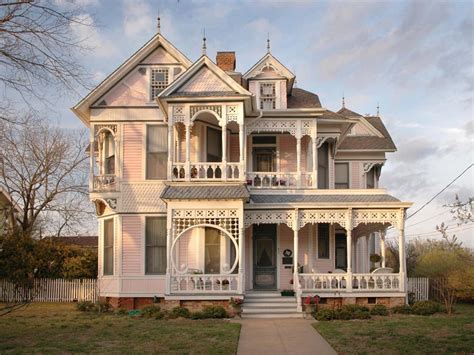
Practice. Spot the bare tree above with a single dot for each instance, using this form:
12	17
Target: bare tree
44	170
38	50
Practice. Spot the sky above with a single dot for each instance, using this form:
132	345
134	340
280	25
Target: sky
415	59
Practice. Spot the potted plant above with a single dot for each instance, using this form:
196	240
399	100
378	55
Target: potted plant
236	304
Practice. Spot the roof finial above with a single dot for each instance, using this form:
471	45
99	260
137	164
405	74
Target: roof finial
268	43
343	101
378	110
204	42
158	23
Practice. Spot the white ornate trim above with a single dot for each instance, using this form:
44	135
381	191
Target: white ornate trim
324	137
271	217
370	164
393	217
323	216
272	125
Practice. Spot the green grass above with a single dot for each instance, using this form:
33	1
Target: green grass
409	334
59	328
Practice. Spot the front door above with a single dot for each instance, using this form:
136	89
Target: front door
264	257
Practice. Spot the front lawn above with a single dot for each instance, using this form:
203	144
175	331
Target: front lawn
58	327
436	334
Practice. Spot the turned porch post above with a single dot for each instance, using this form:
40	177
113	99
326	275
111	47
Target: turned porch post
224	151
315	161
295	257
241	152
169	231
298	161
382	247
402	260
170	151
92	158
349	250
188	151
241	260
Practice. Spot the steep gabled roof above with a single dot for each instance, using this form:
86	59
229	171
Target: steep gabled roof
204	77
82	108
346	112
300	98
383	142
269	60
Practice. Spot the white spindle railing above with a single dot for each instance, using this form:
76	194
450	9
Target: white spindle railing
206	171
272	180
360	282
106	182
205	283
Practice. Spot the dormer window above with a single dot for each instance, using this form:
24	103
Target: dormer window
267	96
159	81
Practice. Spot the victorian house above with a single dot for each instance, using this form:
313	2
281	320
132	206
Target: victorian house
210	184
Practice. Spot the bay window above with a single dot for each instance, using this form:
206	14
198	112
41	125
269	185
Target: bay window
108	256
155	245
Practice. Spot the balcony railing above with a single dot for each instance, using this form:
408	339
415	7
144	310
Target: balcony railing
285	180
360	282
206	171
205	283
102	183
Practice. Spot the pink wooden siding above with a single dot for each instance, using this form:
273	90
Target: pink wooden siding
356	176
283	102
132	245
253	87
323	265
153	285
234	150
133	145
287	150
286	242
188	250
130	91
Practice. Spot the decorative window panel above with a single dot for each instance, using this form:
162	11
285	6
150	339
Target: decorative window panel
108	233
157	152
158	82
155	245
267	96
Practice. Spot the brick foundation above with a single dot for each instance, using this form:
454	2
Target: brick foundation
338	302
130	303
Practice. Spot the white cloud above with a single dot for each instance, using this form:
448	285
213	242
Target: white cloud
139	18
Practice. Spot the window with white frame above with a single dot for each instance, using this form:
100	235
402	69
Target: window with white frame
264	153
155	245
267	96
156	152
323	240
108	234
341	175
323	166
370	179
159	80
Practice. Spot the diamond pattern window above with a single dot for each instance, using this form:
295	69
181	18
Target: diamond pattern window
267	96
159	81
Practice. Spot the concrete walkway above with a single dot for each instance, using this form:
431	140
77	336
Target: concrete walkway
281	336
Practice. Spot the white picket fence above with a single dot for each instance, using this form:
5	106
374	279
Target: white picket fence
420	287
52	290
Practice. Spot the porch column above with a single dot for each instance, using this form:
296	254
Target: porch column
298	161
241	152
224	152
295	258
315	161
402	261
188	152
168	259
170	152
92	158
241	260
367	247
349	258
382	247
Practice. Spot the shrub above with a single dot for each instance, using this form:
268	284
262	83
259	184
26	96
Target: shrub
379	310
150	311
161	315
102	307
343	314
325	314
361	314
121	312
180	312
354	308
215	312
426	308
197	315
403	309
85	306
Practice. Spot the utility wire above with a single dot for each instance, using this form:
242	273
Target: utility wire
439	193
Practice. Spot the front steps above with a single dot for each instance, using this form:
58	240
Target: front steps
269	304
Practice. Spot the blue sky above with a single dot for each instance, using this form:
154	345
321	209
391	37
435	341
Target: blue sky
415	59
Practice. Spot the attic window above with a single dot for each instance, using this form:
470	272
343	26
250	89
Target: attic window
267	96
159	81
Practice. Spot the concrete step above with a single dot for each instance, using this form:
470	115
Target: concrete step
273	315
265	295
266	310
270	300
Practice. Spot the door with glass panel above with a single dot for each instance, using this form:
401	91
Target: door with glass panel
264	257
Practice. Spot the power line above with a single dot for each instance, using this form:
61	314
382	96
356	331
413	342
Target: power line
440	192
433	233
427	219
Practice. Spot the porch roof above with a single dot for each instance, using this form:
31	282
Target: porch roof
205	192
323	198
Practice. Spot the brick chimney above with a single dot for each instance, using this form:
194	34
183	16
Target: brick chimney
226	60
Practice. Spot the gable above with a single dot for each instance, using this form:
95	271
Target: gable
160	56
205	81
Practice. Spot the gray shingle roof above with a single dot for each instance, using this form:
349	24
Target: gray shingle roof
206	192
322	198
300	98
348	113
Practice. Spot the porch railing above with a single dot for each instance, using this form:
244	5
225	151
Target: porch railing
283	180
205	283
206	171
106	182
360	282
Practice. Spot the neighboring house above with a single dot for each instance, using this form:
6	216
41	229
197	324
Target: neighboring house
209	184
7	206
